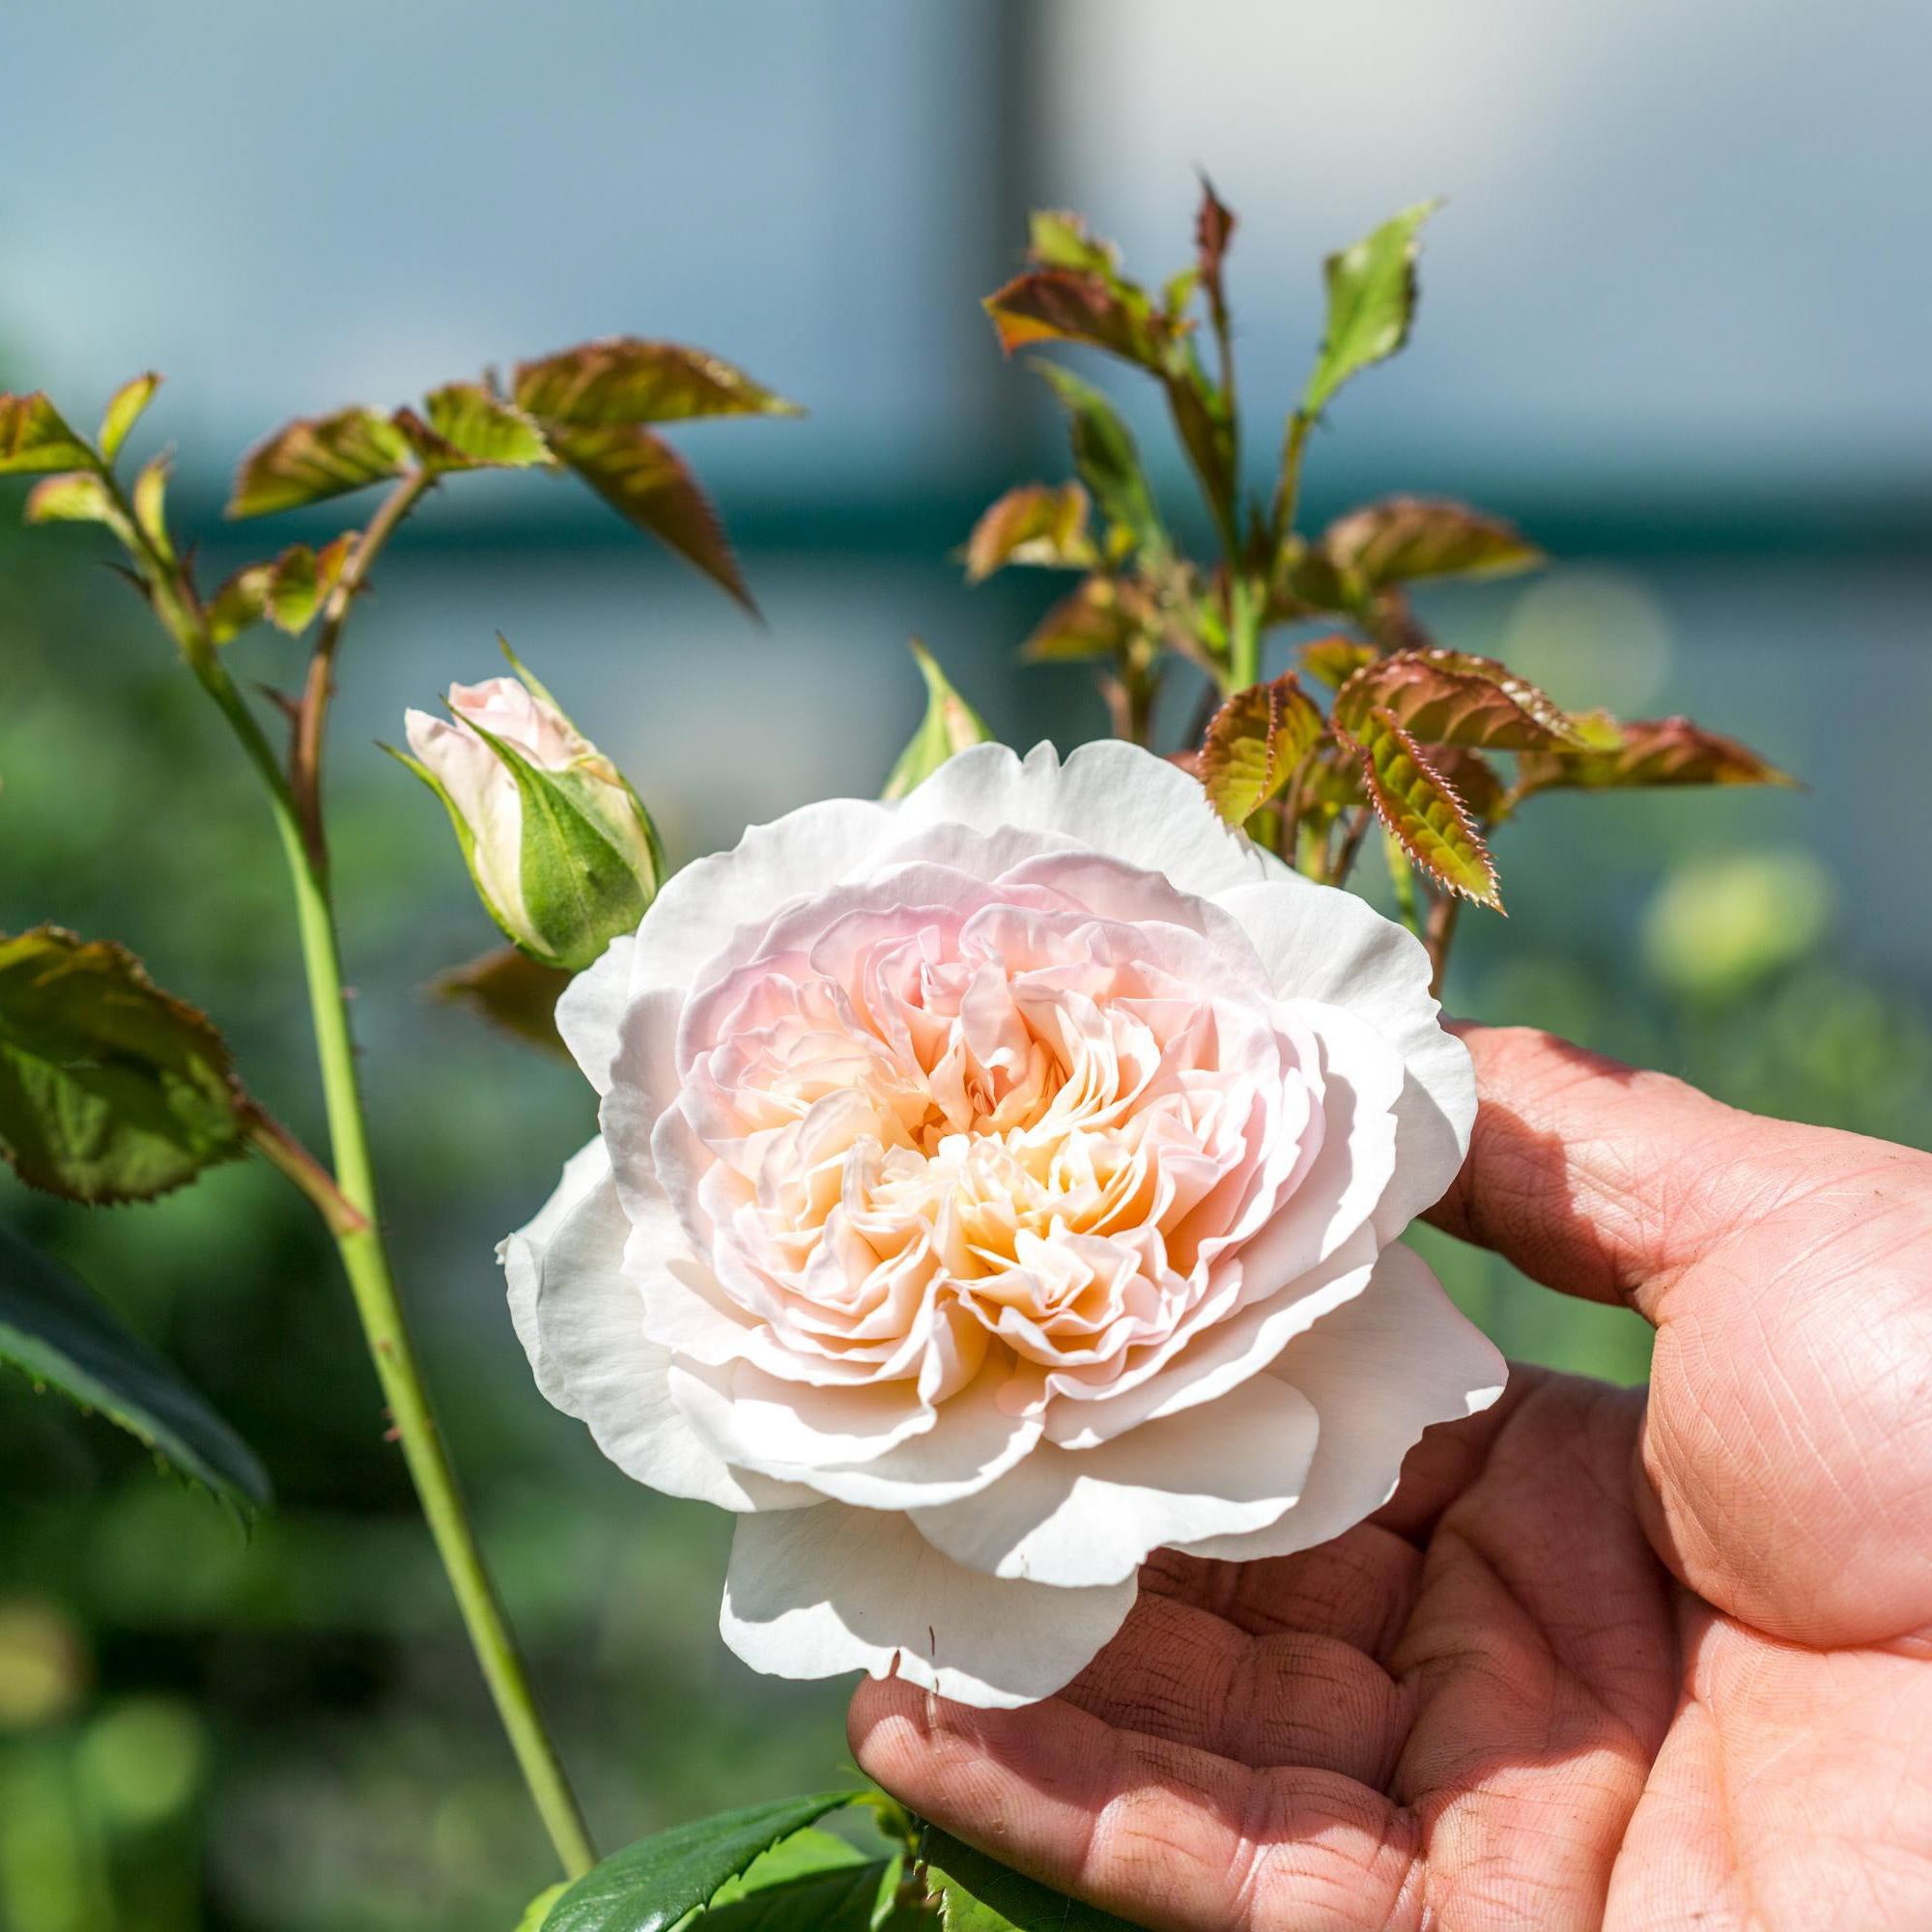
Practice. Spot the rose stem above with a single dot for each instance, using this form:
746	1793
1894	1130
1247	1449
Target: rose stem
1440	936
365	1254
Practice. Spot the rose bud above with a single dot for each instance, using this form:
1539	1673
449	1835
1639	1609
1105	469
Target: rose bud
564	856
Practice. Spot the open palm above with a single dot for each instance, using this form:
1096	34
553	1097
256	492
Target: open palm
1604	1660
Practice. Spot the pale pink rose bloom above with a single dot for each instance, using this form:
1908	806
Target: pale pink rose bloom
993	1188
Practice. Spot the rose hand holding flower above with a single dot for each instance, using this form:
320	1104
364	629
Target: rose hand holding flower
995	1187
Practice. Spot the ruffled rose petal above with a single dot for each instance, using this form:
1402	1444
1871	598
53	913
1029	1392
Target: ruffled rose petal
815	1593
1090	1518
1379	1370
1323	944
1110	796
522	1254
582	1326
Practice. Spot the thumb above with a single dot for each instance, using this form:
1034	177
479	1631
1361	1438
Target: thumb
1604	1180
1785	1467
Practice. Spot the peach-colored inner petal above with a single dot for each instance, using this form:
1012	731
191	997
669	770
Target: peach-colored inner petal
1001	1122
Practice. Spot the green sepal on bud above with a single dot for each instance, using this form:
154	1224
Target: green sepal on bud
561	849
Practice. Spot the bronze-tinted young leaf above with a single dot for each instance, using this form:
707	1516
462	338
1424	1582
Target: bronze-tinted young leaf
301	579
317	457
647	482
1370	304
1206	426
1253	744
1654	751
1335	659
1213	230
1416	804
625	380
1409	538
124	411
150	496
77	497
1038	524
1105	456
1100	618
33	436
1473	778
1059	240
109	1089
1454	697
239	601
482	429
1072	305
510	990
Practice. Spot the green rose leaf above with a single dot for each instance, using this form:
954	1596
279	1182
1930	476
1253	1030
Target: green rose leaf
1654	751
647	483
949	725
1454	698
510	990
811	1882
33	436
124	411
1416	803
1370	304
625	380
1409	538
1335	659
1059	240
470	427
1078	305
318	457
77	496
1105	457
1253	744
650	1886
977	1893
54	1329
1038	524
109	1089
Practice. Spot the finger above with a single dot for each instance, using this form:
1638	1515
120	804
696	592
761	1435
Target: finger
1357	1588
1288	1697
1601	1180
1164	1835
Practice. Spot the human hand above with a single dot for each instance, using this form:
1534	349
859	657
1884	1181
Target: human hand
1601	1661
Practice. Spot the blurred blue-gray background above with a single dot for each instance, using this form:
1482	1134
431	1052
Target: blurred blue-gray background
1673	321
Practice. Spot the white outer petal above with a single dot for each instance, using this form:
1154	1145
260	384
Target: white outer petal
581	1324
1379	1370
815	1593
1113	797
1323	944
522	1253
692	921
1093	1517
590	1010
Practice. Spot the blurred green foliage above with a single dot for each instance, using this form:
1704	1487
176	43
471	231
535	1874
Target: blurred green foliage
208	1731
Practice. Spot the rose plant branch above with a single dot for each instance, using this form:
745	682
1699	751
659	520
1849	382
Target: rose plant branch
587	412
311	720
1411	734
348	1201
